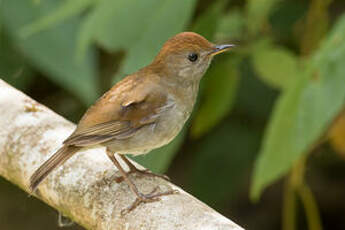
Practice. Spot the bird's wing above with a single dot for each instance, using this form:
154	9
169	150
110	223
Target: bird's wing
119	116
98	133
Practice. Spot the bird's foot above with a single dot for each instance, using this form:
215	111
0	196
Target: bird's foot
148	198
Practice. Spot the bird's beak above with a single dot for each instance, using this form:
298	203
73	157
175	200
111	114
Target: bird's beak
220	49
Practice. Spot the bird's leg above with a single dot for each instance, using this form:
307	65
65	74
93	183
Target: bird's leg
141	198
144	172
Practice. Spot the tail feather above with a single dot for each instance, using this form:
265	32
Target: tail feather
58	158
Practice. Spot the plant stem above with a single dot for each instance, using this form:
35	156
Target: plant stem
310	207
289	207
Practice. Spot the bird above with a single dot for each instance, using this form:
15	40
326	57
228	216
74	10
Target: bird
143	111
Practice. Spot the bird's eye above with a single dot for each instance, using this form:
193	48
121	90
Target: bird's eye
192	57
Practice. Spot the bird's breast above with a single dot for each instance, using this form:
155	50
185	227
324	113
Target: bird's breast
170	122
172	117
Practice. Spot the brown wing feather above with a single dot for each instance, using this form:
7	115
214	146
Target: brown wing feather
120	113
98	133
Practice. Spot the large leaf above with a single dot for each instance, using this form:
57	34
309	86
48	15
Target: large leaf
111	24
66	10
304	111
170	19
231	26
276	66
219	92
159	159
258	12
51	51
142	35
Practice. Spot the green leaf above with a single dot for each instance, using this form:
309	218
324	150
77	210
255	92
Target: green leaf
276	66
66	10
220	89
231	26
51	51
258	12
158	160
142	35
304	111
170	18
275	156
113	27
211	16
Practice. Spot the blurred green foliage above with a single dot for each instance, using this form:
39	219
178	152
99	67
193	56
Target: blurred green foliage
312	102
51	51
276	94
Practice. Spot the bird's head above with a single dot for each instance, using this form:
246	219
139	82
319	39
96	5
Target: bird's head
187	55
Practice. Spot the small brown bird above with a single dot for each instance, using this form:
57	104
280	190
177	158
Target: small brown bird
144	111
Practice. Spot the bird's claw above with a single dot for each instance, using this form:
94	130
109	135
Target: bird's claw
148	198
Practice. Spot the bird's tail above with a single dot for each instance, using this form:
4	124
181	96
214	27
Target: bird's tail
58	158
